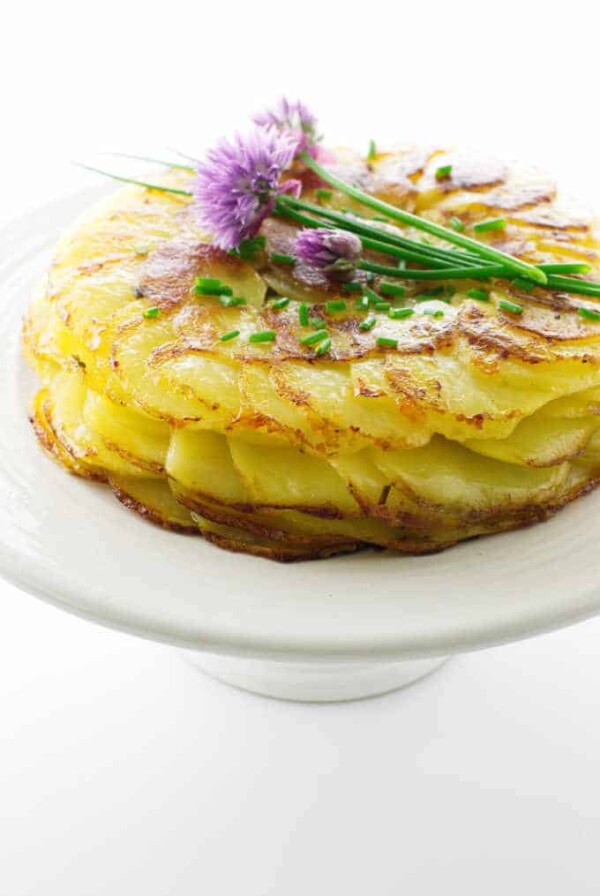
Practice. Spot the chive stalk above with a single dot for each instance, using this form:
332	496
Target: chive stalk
408	218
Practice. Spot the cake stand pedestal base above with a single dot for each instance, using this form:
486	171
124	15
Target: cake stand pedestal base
321	682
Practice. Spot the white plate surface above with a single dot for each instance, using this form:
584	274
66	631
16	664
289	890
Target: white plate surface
72	543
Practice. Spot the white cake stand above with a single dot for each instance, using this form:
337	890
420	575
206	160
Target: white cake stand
335	629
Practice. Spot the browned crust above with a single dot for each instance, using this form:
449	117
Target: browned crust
150	514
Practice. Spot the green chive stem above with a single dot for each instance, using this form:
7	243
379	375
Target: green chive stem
408	218
131	180
589	314
126	155
441	274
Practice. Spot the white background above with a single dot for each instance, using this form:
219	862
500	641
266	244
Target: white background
122	770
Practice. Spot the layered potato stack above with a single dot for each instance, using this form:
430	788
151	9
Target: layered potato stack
479	421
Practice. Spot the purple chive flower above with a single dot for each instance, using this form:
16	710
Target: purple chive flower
333	251
292	118
236	187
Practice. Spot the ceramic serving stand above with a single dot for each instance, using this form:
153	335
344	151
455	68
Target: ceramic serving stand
337	629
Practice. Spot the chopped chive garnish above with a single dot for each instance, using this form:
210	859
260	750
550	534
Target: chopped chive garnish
480	294
303	314
323	347
386	342
354	286
492	224
209	286
436	293
372	150
362	304
399	313
368	324
324	195
248	249
313	338
433	312
338	305
456	224
511	307
207	281
372	295
523	283
402	264
149	313
391	289
589	314
226	337
282	258
382	306
263	336
278	304
231	301
316	322
443	172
